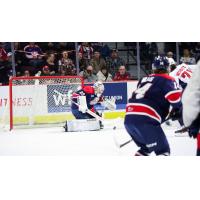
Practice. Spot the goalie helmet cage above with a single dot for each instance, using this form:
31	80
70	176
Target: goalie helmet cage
38	94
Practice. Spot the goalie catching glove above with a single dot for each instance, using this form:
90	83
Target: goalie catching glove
175	114
109	103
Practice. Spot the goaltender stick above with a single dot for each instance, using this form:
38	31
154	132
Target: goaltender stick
82	107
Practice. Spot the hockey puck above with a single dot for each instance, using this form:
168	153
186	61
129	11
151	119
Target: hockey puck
114	127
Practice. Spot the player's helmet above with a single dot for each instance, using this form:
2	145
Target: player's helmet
98	88
160	63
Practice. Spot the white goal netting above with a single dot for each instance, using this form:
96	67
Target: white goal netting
39	100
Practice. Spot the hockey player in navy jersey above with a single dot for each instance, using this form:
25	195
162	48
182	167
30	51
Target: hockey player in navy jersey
82	107
148	108
87	98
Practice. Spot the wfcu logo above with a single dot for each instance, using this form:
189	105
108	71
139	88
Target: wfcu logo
58	98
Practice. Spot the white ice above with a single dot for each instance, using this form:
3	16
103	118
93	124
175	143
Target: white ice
54	141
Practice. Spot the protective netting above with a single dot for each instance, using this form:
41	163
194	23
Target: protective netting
40	100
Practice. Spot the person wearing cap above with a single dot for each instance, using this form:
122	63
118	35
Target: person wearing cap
46	71
114	62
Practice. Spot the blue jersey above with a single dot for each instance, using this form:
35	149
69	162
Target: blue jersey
153	97
91	97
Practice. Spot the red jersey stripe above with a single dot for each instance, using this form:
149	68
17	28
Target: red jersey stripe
142	109
174	96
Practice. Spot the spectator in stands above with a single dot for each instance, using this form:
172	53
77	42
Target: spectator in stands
88	74
3	54
4	65
82	62
97	46
6	46
50	62
19	57
34	54
66	65
196	50
172	62
105	51
103	75
114	62
26	73
65	60
87	51
62	72
187	59
170	54
46	71
97	62
25	81
122	74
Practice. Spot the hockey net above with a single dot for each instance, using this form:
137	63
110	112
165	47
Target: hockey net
40	100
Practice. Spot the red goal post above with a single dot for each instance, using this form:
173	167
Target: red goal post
33	99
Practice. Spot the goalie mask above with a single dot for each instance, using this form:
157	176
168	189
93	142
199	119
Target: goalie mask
98	88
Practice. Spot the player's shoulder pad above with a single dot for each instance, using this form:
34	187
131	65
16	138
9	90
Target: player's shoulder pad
165	76
88	89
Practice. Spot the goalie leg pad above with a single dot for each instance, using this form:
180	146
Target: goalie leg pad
82	125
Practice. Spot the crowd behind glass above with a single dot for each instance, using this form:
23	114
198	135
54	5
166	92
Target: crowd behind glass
96	61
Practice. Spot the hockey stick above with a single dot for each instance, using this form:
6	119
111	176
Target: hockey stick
183	130
90	112
123	144
129	141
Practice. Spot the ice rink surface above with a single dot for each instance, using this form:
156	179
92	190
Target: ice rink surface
54	141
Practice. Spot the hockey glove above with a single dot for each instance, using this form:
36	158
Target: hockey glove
175	114
109	103
193	132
